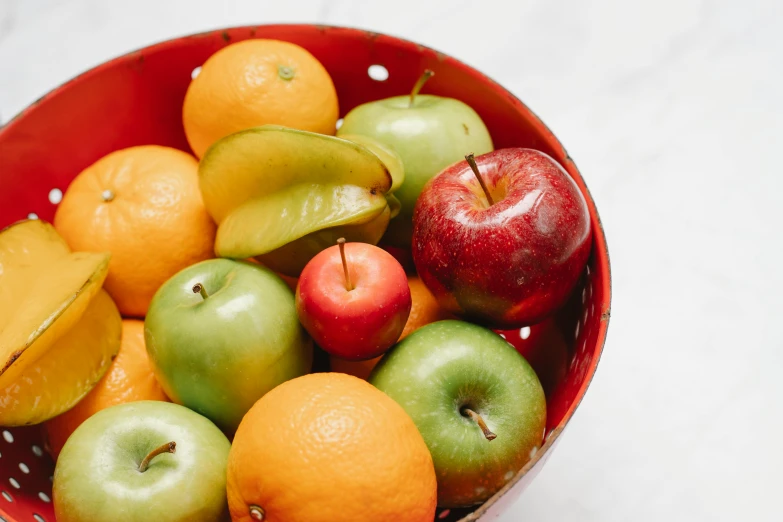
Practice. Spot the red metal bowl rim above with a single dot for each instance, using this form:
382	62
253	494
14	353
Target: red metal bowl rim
601	252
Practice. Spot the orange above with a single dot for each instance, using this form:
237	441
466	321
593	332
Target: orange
289	280
143	205
257	82
128	379
328	447
424	310
360	369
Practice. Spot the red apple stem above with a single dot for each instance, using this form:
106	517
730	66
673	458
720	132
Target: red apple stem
341	243
472	162
475	417
426	75
198	288
169	447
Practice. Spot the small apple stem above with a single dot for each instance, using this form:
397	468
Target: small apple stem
472	162
341	243
169	447
475	417
198	288
426	75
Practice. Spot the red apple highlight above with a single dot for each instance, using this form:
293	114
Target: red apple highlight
354	300
505	245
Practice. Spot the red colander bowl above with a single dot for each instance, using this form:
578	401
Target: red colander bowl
137	99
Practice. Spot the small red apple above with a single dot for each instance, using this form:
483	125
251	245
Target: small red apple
501	239
354	300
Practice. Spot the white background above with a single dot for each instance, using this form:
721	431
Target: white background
673	110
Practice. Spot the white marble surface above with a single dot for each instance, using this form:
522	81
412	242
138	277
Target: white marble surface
673	111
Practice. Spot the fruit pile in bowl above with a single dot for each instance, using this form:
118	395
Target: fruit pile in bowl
288	273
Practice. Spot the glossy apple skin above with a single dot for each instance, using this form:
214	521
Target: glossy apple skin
361	323
221	354
510	264
97	479
445	366
429	136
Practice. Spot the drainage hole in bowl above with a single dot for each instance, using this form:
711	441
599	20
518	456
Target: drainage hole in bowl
338	124
55	196
38	517
379	73
32	215
14	482
195	72
7	496
43	496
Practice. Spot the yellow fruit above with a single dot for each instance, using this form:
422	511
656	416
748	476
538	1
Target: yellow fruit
68	371
387	155
57	329
267	223
263	161
46	289
329	447
258	82
283	195
291	258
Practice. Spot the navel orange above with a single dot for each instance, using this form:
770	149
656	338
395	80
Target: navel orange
128	379
256	82
327	447
143	205
424	310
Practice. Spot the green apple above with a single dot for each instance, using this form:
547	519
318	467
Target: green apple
428	132
143	461
222	333
478	404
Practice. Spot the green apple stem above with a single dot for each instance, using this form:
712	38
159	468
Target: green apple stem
426	75
475	417
198	288
472	162
169	447
107	195
341	243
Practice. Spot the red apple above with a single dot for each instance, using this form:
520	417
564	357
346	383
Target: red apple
354	300
503	242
